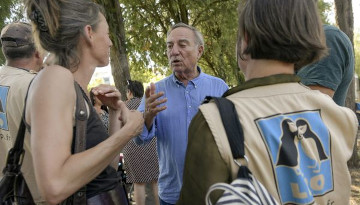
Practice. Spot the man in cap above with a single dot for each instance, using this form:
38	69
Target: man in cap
23	60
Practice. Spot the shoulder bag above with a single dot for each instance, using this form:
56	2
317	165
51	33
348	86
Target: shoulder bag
13	188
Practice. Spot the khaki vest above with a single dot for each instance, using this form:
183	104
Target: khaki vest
14	84
315	169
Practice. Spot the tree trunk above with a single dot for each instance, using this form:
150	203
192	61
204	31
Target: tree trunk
345	20
184	15
118	55
344	17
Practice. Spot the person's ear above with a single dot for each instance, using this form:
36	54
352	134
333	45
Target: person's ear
38	55
39	58
88	33
200	51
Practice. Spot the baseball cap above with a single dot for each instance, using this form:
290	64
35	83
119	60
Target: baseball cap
16	34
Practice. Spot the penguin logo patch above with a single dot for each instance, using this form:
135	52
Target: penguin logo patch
299	147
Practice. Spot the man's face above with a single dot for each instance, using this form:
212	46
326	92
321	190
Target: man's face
182	51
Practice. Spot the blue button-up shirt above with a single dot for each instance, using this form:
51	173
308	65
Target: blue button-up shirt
171	126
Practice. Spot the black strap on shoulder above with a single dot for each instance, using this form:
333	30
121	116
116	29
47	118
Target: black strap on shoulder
81	116
234	132
232	126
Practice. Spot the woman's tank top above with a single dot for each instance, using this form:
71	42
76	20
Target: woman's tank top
96	132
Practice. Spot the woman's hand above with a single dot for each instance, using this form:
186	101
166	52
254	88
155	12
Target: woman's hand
131	119
108	95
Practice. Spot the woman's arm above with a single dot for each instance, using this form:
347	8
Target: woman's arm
50	112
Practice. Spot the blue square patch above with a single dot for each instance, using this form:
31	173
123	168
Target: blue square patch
3	100
299	147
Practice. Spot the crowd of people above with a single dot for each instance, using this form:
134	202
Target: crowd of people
298	136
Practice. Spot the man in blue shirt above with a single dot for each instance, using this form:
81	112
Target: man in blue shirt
170	104
332	75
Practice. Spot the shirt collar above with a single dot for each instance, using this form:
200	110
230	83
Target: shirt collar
269	80
20	69
194	81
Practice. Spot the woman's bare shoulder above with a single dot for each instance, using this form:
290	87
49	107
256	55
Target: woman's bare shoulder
56	72
54	82
52	91
54	75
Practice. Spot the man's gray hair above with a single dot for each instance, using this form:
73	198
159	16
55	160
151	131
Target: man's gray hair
199	39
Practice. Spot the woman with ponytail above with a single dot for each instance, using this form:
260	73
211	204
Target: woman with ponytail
76	33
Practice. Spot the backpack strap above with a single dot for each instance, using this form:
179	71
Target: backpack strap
232	126
234	132
81	116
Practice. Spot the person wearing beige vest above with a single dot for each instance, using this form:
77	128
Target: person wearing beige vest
23	60
297	140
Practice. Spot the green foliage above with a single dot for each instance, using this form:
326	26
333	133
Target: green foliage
11	10
325	9
143	75
147	23
218	22
5	6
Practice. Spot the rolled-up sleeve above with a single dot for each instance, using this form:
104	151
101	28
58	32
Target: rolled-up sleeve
146	135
